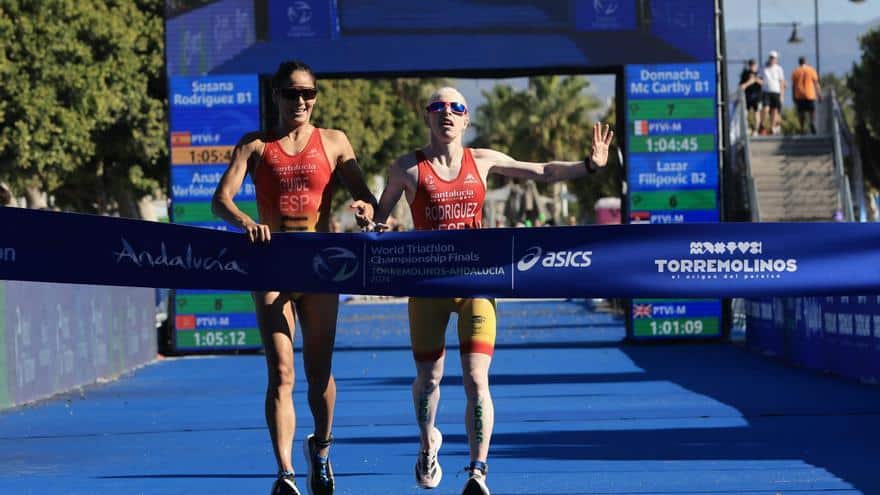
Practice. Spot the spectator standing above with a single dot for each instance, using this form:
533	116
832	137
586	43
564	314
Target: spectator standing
806	88
773	92
750	83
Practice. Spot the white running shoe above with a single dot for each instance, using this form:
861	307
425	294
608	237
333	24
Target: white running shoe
428	470
476	483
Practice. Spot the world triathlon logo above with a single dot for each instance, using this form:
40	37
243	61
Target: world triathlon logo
299	13
335	264
606	7
554	259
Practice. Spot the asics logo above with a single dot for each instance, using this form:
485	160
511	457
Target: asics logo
554	259
533	254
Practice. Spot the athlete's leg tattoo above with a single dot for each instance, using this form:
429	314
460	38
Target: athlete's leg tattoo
480	411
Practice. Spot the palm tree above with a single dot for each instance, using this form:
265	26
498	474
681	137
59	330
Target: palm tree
551	119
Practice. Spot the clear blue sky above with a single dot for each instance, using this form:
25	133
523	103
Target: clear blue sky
740	14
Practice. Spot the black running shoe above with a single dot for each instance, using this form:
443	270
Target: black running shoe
476	483
285	485
320	479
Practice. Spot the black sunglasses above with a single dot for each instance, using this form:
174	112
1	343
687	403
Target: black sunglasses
294	94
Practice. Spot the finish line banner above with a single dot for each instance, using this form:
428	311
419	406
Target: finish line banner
686	260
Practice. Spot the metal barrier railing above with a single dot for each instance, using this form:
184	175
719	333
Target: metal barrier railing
844	136
740	144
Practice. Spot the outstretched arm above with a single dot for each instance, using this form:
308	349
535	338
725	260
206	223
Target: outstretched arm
222	203
353	178
555	170
391	195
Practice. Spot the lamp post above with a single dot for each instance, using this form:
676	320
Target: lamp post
794	37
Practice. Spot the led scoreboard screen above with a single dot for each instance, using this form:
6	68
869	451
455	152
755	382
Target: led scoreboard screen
208	116
672	122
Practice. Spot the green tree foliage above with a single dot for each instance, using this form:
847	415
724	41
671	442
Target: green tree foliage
550	120
382	118
863	81
866	102
361	109
844	94
82	104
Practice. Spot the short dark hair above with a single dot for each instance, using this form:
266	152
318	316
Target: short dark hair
751	62
802	60
285	69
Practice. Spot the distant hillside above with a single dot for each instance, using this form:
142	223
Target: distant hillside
839	47
839	50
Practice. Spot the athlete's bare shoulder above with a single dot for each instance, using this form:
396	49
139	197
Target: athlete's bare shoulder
405	171
332	133
407	163
333	136
486	158
336	143
254	140
251	144
486	154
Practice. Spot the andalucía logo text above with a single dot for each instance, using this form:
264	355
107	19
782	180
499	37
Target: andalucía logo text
186	261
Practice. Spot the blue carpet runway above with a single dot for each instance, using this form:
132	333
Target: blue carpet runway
577	412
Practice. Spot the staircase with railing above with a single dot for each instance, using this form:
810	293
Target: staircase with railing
791	178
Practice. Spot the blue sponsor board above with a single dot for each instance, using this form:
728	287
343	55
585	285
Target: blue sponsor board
652	171
838	334
63	336
297	19
663	127
197	183
213	110
670	81
204	38
605	15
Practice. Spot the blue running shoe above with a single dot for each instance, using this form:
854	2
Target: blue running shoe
285	485
320	479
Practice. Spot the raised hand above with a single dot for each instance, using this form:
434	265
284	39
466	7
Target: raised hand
602	137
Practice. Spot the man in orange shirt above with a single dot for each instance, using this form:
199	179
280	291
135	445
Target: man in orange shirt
806	92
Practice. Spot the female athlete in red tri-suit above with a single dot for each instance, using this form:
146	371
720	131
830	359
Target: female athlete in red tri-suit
292	166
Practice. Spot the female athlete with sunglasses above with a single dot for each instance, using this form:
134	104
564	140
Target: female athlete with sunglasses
292	166
445	185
